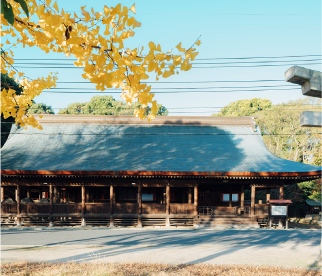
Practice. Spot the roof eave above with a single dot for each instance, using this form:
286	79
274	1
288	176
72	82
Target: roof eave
162	173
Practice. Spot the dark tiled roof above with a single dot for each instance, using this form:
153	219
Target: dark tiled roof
84	145
313	202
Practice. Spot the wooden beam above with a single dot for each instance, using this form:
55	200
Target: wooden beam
111	206
2	194
282	192
252	203
196	200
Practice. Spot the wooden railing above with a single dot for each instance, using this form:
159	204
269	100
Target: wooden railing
181	209
126	208
153	208
8	208
67	208
261	209
222	211
97	208
32	208
205	211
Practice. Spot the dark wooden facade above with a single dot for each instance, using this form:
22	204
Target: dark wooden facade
97	200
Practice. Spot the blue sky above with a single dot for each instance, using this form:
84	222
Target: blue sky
229	29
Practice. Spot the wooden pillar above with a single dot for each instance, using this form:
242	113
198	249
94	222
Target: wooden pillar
58	194
242	196
168	204
40	193
268	195
83	206
28	192
230	197
196	200
87	195
252	203
242	199
190	196
55	196
111	206
140	204
18	206
2	194
282	192
51	223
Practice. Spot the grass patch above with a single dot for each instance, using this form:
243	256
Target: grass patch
139	269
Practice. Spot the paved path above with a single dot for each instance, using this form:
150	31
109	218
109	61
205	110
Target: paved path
285	248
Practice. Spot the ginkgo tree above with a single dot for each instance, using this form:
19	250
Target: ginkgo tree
96	40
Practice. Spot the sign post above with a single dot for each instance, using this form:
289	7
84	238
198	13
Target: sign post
279	210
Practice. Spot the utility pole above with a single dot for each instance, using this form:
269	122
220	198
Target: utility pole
310	80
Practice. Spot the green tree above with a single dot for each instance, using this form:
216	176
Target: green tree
280	127
107	105
244	108
40	108
283	135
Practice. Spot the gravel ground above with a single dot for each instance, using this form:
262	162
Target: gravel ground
301	224
149	269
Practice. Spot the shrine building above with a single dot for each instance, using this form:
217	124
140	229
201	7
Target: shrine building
121	171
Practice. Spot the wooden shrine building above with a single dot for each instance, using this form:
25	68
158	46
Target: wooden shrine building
103	170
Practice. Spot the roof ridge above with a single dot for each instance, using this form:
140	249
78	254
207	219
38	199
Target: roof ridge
131	120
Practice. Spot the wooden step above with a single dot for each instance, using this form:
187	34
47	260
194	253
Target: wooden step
97	221
221	221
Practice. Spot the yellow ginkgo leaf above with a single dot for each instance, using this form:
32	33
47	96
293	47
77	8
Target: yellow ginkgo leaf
132	9
55	6
166	74
198	42
180	48
177	60
152	46
136	24
7	42
20	74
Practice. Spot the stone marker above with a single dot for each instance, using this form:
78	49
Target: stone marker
310	80
311	119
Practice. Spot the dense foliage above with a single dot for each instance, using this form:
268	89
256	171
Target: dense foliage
107	105
244	108
40	108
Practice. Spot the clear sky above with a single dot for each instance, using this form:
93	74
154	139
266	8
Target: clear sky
231	32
